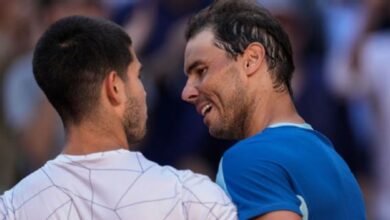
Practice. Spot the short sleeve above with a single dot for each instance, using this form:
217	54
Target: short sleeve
203	199
257	186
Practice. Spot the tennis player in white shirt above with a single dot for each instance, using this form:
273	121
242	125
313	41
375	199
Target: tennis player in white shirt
89	72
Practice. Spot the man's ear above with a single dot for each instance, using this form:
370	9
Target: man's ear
253	58
114	88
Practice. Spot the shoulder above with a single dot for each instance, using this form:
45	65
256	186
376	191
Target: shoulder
200	188
30	186
193	188
204	199
276	141
28	195
269	140
274	150
187	180
199	196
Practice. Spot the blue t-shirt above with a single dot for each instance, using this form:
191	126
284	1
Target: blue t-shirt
290	168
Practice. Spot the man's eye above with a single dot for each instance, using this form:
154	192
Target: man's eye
201	71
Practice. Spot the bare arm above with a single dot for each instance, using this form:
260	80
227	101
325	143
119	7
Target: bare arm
279	215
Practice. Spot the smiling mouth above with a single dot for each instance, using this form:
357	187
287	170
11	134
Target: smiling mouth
206	109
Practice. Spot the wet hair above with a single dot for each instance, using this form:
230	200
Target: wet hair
73	57
238	23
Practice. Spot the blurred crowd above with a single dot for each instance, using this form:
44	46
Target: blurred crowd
341	83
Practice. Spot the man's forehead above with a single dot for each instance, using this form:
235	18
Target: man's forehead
205	38
200	46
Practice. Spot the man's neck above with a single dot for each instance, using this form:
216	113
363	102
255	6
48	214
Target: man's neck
88	138
277	108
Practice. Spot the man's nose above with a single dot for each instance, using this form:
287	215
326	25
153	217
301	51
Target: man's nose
190	92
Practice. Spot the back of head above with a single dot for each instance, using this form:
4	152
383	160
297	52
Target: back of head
236	24
73	57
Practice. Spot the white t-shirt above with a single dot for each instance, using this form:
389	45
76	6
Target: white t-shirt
110	185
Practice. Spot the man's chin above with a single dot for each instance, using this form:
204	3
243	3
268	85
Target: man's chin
225	134
219	133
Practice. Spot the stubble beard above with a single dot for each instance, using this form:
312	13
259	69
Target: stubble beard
232	124
134	122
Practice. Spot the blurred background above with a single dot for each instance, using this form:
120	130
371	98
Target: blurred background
341	83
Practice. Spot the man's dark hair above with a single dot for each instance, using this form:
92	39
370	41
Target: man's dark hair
236	24
73	57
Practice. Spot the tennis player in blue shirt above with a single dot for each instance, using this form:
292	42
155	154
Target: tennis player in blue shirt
239	65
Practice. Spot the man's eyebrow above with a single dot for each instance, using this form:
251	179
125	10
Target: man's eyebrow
192	66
